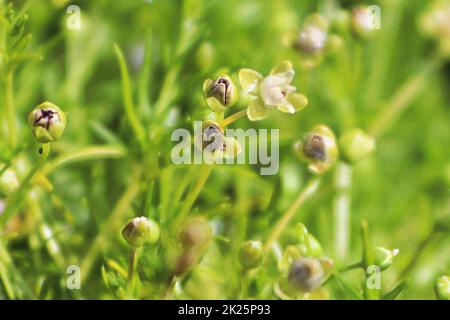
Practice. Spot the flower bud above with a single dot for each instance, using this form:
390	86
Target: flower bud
8	181
48	122
384	257
214	143
306	274
318	148
139	231
442	288
251	254
195	233
356	145
362	22
435	23
313	36
220	94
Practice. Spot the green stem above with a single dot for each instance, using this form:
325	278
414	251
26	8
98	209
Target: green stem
342	202
88	153
110	226
9	108
203	175
309	190
235	116
8	272
403	97
128	99
368	260
353	266
417	254
16	199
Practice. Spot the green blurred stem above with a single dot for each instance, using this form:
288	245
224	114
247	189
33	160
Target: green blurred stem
9	108
131	266
194	192
128	98
168	91
368	260
245	282
88	153
403	97
234	117
342	202
9	272
309	190
353	266
16	199
110	226
418	253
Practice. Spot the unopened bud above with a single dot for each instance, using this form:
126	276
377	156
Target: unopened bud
306	274
139	231
48	122
356	145
318	148
220	94
251	254
313	36
383	257
195	233
442	288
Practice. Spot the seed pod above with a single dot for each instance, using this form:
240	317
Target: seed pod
384	257
306	274
196	233
220	94
318	148
139	231
356	145
48	122
251	254
442	288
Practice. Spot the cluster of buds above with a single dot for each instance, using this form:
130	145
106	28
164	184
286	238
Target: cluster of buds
139	231
48	122
318	148
251	254
194	237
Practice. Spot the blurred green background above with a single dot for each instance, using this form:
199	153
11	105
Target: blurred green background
171	47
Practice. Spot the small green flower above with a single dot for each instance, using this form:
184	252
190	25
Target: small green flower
272	91
384	257
220	94
442	288
139	231
318	148
356	145
306	274
48	122
251	254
